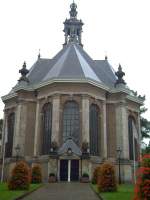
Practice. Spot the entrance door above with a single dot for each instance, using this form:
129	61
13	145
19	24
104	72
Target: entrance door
64	170
74	176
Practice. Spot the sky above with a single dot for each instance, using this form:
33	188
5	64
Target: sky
119	29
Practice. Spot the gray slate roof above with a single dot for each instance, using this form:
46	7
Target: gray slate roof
72	62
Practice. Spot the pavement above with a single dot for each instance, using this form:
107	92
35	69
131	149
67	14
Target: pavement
63	191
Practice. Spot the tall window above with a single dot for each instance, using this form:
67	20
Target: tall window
94	129
47	128
71	121
130	133
9	135
133	144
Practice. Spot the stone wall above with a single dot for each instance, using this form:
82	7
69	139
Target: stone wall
111	130
30	129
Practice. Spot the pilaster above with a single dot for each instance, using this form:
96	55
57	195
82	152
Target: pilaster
85	119
37	128
104	132
122	129
20	127
56	118
139	133
4	134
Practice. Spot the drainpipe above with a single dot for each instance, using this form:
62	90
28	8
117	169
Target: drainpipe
134	163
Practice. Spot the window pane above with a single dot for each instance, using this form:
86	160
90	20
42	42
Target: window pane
94	129
130	134
47	128
71	121
9	144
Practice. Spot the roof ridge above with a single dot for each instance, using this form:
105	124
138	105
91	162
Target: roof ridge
87	69
56	68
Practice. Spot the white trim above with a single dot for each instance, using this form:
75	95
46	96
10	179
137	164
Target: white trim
135	99
9	96
134	162
58	169
4	147
69	170
84	80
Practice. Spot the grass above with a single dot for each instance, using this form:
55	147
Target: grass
6	194
125	192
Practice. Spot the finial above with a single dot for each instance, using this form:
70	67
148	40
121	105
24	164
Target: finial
23	73
120	75
73	27
73	12
106	57
39	55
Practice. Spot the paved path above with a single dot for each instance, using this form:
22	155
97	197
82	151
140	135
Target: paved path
63	191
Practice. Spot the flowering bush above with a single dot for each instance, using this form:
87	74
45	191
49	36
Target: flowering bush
107	179
96	174
142	187
36	174
20	177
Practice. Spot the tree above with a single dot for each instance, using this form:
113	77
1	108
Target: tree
1	127
107	179
146	150
36	174
145	124
142	187
20	177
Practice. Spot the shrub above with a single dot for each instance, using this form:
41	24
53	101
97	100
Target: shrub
20	177
51	174
106	179
96	174
142	187
36	174
85	175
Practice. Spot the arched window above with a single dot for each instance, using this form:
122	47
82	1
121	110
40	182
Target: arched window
47	128
130	133
94	129
71	121
9	135
133	136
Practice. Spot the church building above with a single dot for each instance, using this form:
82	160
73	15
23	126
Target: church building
71	113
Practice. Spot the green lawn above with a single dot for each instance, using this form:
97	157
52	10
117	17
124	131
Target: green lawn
6	194
125	192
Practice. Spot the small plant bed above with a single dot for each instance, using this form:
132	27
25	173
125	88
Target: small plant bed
85	178
52	178
124	192
6	194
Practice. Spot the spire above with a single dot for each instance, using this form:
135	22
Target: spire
39	55
73	27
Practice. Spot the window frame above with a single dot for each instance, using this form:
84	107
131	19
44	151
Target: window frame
71	121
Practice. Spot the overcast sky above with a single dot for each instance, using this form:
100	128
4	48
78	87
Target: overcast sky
118	28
